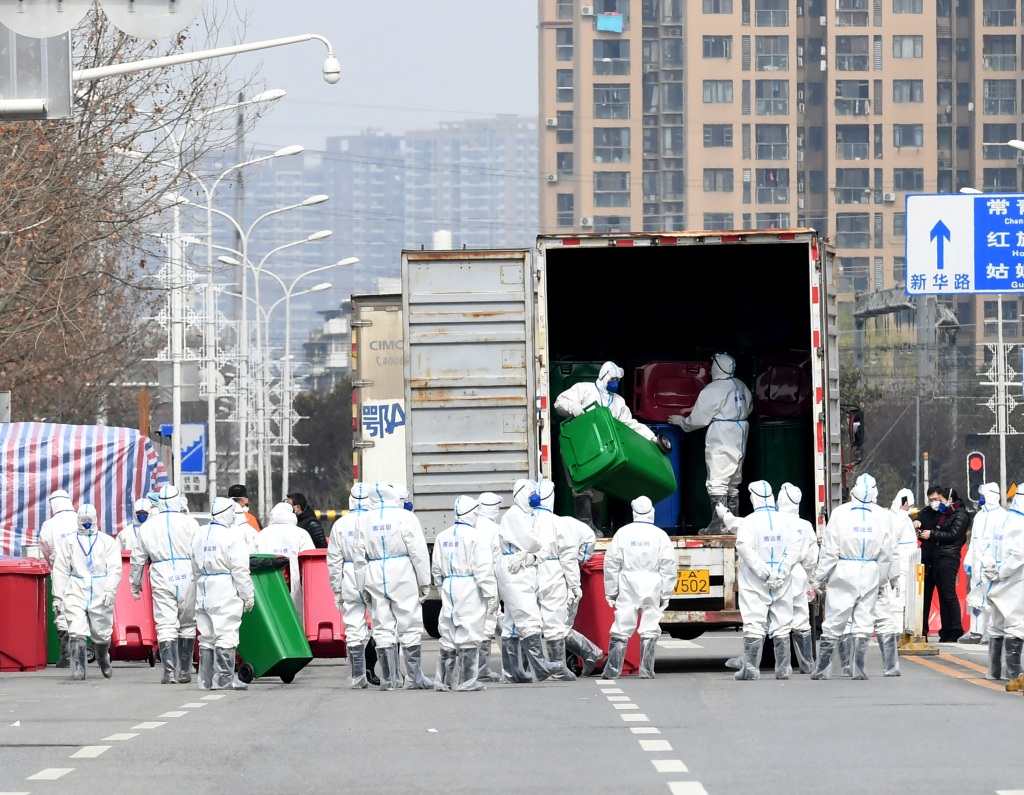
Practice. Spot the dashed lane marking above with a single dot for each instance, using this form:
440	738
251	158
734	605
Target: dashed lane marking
118	738
618	698
686	788
678	644
998	792
625	706
612	690
50	774
174	713
645	730
214	697
90	751
193	705
656	745
669	766
637	717
150	724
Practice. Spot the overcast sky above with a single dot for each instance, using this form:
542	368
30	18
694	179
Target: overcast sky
406	64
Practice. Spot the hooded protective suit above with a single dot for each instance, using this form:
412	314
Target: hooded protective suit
487	529
283	537
517	566
990	516
722	407
856	557
1003	569
249	533
574	401
558	573
62	525
128	538
346	568
889	618
224	587
86	573
789	507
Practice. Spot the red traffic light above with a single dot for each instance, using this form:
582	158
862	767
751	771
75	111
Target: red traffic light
976	462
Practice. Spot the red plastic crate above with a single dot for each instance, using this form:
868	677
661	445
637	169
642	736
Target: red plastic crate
661	389
23	616
782	389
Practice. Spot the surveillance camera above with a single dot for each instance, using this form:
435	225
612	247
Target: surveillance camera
332	70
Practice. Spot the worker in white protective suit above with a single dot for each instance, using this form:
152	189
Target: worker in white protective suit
224	590
639	577
722	407
463	570
1003	569
249	533
398	582
855	558
346	568
284	537
86	573
889	618
61	526
989	516
519	548
788	504
582	537
573	402
487	529
128	538
165	543
769	545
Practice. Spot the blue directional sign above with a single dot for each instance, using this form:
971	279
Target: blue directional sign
193	448
966	244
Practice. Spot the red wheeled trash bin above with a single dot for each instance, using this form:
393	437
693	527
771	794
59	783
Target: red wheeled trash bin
23	624
325	630
134	635
594	617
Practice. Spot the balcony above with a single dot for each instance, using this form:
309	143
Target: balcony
851	19
773	195
853	239
1006	18
771	107
852	195
999	63
853	151
853	107
773	151
851	63
772	19
771	63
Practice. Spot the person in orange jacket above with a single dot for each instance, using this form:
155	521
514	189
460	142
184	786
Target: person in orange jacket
238	494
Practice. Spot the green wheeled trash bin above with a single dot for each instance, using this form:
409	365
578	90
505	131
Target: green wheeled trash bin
781	451
605	454
563	375
52	635
272	641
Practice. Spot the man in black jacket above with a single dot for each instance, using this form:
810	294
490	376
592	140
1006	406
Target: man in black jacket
306	519
942	528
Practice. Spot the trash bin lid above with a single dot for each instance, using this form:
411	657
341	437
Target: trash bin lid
11	565
267	562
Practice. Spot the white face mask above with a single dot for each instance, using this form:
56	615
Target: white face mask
934	505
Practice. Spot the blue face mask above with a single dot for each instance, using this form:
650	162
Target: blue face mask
87	525
141	517
535	500
942	507
613	385
981	501
407	505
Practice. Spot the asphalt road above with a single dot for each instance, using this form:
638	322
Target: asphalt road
940	728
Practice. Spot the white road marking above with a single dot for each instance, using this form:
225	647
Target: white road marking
90	751
192	705
679	644
611	690
998	792
656	745
51	774
15	793
645	730
669	765
637	717
625	706
618	698
150	724
215	697
174	713
686	788
120	737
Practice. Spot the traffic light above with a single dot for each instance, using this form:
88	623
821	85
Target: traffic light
975	475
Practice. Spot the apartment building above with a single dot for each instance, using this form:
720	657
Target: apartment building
745	114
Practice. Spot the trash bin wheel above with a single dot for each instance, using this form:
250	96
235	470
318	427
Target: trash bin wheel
152	658
246	673
90	653
574	664
288	678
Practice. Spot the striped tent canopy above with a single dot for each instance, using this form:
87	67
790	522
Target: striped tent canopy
108	467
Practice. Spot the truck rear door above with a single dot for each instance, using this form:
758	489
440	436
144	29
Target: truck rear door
469	376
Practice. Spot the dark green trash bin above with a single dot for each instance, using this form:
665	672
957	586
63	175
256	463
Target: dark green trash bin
272	641
564	375
603	453
694	487
52	638
780	451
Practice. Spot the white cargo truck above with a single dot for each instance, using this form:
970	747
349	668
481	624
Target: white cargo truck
483	329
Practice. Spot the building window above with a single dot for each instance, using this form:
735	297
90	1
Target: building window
908	179
771	13
717	135
672	141
611	101
611	223
719	221
717	6
565	204
899	270
674	185
850	13
718	180
852	53
771	53
999	13
611	189
907	135
899	224
672	53
671	11
853	230
908	90
563	44
853	98
564	9
853	141
563	85
563	133
1000	97
772	97
771	221
611	144
908	6
999	53
611	56
565	162
718	46
772	185
994	138
853	274
853	186
999	179
672	98
772	141
908	46
1010	315
717	91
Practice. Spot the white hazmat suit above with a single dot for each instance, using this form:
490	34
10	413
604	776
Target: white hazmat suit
722	407
769	546
62	525
86	573
397	580
990	515
582	537
487	529
788	504
165	543
346	568
284	537
558	577
639	576
1003	569
128	538
855	558
463	572
224	590
889	618
248	532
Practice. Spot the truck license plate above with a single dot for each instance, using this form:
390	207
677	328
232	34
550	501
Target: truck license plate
693	581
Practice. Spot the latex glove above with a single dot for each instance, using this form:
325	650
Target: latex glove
677	419
610	599
894	585
575	410
58	606
339	603
777	582
107	599
818	588
136	595
881	590
722	511
522	560
991	573
664	602
248	606
810	594
575	594
424	593
492	606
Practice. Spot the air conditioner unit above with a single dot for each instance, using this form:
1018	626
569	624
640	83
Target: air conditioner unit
551	121
949	108
800	95
800	61
799	50
823	52
800	187
552	177
799	157
823	21
970	107
586	222
801	107
649	68
799	204
888	198
586	11
823	66
799	11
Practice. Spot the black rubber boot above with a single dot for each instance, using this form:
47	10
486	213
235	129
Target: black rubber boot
995	659
1014	647
717	525
371	663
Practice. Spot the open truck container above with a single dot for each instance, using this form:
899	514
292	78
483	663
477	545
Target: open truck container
483	330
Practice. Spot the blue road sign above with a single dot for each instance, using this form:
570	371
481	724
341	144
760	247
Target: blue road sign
193	448
959	243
